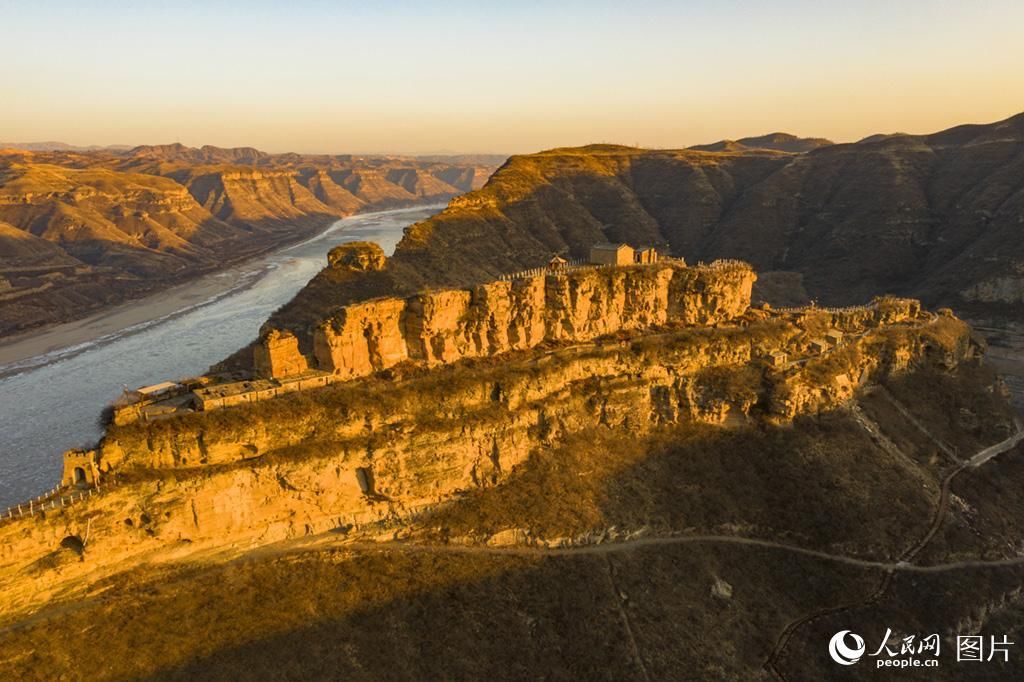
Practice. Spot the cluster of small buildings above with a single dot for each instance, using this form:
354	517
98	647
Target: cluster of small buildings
254	390
611	254
622	254
203	394
831	339
148	402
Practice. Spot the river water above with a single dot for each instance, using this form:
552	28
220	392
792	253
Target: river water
54	404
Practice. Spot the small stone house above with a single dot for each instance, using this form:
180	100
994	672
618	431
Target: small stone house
80	468
611	254
818	346
777	358
646	254
833	337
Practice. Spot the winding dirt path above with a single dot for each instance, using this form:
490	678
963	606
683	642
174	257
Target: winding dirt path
938	517
624	546
627	626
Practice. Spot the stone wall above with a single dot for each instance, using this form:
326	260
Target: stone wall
438	327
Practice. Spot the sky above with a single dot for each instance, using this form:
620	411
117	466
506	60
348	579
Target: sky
505	77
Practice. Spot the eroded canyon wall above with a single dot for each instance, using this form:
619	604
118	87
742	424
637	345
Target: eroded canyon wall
438	327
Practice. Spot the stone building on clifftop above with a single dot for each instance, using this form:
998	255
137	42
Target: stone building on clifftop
611	254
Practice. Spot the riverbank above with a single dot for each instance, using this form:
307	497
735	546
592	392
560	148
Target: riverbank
121	318
17	352
52	401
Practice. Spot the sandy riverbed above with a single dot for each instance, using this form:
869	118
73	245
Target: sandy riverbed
120	318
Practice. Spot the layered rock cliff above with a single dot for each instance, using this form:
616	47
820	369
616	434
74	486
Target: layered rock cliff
436	327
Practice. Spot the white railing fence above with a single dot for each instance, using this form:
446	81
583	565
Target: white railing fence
53	499
577	264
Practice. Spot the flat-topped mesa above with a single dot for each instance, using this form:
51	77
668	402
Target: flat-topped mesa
438	327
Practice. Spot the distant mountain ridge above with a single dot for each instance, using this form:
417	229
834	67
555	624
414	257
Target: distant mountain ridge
780	142
206	154
248	155
82	229
51	146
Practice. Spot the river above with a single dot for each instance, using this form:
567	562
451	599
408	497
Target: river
52	402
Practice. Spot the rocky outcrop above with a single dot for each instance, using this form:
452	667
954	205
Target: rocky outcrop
487	320
437	327
357	256
248	195
362	338
279	355
677	374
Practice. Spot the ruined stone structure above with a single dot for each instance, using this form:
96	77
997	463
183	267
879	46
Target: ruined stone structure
217	396
80	468
438	327
646	255
818	346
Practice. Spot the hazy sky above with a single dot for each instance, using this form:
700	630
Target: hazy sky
512	76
